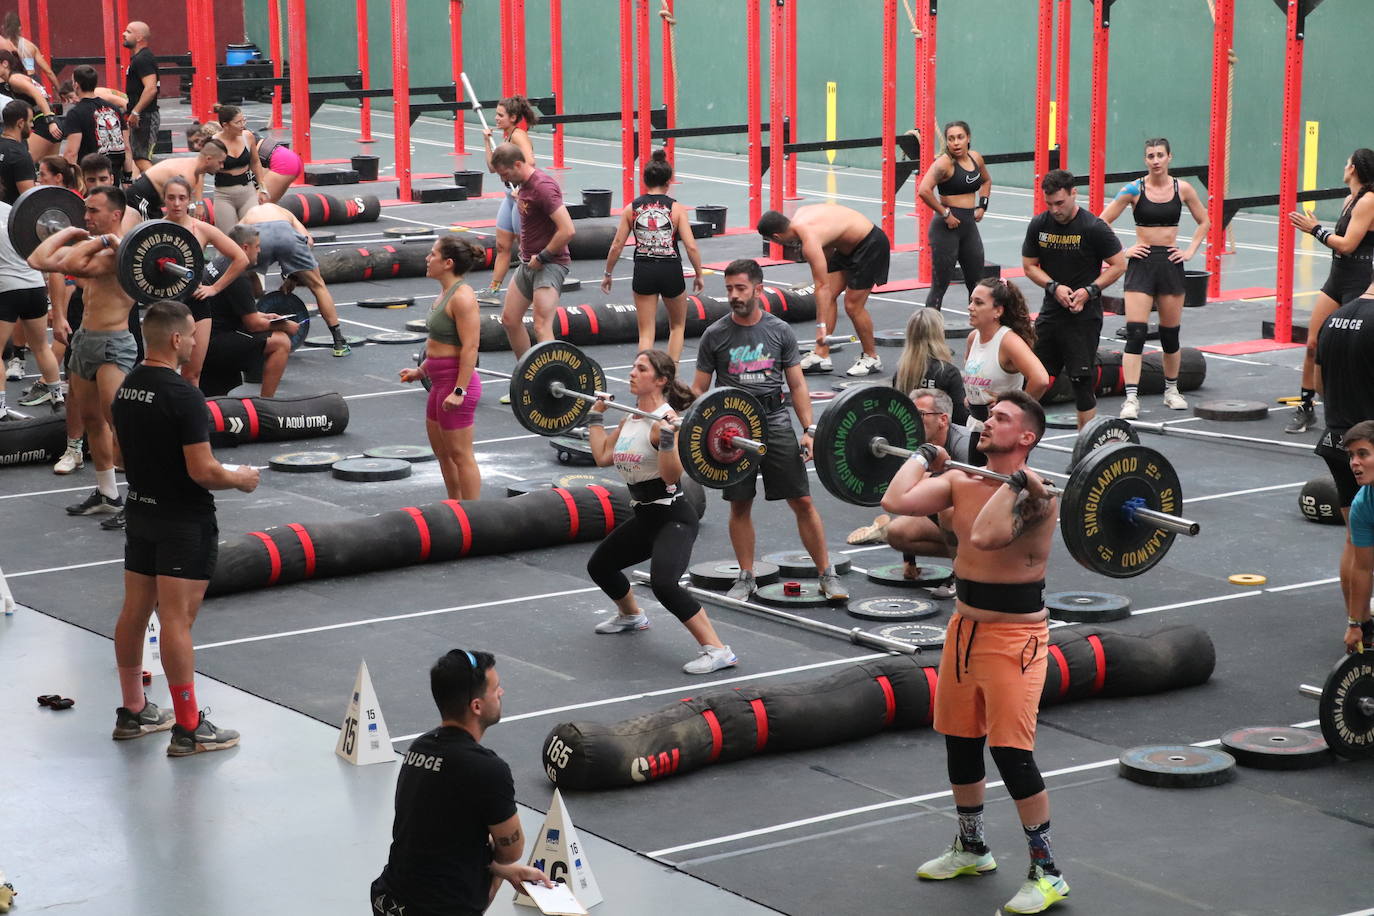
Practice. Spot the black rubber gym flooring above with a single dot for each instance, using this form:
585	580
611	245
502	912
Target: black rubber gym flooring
839	829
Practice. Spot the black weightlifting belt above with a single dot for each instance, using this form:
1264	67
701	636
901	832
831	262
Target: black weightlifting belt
233	181
649	491
1008	598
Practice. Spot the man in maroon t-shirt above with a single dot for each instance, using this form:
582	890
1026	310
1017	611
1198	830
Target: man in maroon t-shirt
545	230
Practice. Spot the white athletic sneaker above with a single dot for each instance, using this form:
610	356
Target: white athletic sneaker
813	363
1173	400
1130	409
865	365
71	460
14	369
744	587
711	658
622	624
954	862
943	592
1039	893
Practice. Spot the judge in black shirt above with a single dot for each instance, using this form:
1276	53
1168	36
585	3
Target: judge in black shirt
241	337
457	834
1345	360
1063	253
171	538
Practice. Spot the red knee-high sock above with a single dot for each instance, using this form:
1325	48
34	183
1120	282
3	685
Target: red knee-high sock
184	705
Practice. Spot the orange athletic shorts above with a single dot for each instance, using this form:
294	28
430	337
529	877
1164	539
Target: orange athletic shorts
991	675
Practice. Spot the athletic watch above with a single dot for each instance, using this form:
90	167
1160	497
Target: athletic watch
811	430
460	391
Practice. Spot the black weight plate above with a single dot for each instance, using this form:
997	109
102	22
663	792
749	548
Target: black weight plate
326	341
395	337
1278	747
572	451
1346	707
703	443
403	231
1177	766
927	574
417	325
419	358
845	463
1061	420
846	384
321	236
927	637
892	610
291	306
140	252
411	453
387	302
1099	433
573	479
39	212
1093	519
521	487
368	470
304	462
721	574
1088	607
1231	409
537	408
809	595
895	337
799	563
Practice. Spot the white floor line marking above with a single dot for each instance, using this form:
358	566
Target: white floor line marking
882	806
388	619
53	569
506	439
1330	580
688	688
1234	596
363	324
59	490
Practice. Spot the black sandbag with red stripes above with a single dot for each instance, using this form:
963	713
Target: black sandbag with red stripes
1110	381
315	209
234	421
362	262
432	533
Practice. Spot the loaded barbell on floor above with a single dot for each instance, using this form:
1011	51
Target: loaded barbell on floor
1117	513
1115	428
157	259
720	436
1346	706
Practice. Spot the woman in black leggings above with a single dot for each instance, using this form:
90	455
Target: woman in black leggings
963	183
663	526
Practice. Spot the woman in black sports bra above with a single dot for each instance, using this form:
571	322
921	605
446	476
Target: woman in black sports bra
1352	268
1154	268
964	184
240	185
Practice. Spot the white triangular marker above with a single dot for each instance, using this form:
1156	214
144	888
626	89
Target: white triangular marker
6	596
559	853
152	648
363	738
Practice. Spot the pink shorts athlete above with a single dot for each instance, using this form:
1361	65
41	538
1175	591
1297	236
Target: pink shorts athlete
443	377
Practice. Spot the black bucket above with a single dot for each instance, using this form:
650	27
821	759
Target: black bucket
597	201
470	180
713	215
1195	288
366	167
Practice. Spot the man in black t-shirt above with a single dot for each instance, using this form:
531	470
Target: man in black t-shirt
1345	358
17	171
457	835
171	539
1063	253
92	124
141	86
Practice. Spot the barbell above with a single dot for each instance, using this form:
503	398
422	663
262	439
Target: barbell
1346	706
720	436
157	259
1118	512
1121	430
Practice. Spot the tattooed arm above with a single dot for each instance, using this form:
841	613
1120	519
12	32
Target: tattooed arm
1015	508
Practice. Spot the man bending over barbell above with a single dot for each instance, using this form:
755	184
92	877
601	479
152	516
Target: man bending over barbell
285	241
992	667
102	350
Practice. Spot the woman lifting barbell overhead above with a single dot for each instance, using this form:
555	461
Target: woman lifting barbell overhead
664	526
1154	268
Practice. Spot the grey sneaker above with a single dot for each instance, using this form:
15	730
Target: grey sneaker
114	522
831	587
97	504
14	369
955	861
711	658
744	586
40	392
206	737
1304	418
622	624
865	365
130	724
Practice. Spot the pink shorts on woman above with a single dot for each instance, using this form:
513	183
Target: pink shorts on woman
285	161
443	377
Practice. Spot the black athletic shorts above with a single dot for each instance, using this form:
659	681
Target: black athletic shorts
26	304
659	277
1067	343
1154	274
784	472
236	350
1330	450
1348	279
143	197
866	266
179	548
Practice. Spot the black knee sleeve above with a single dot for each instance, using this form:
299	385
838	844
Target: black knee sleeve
1136	332
1019	772
1084	394
964	759
1168	339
